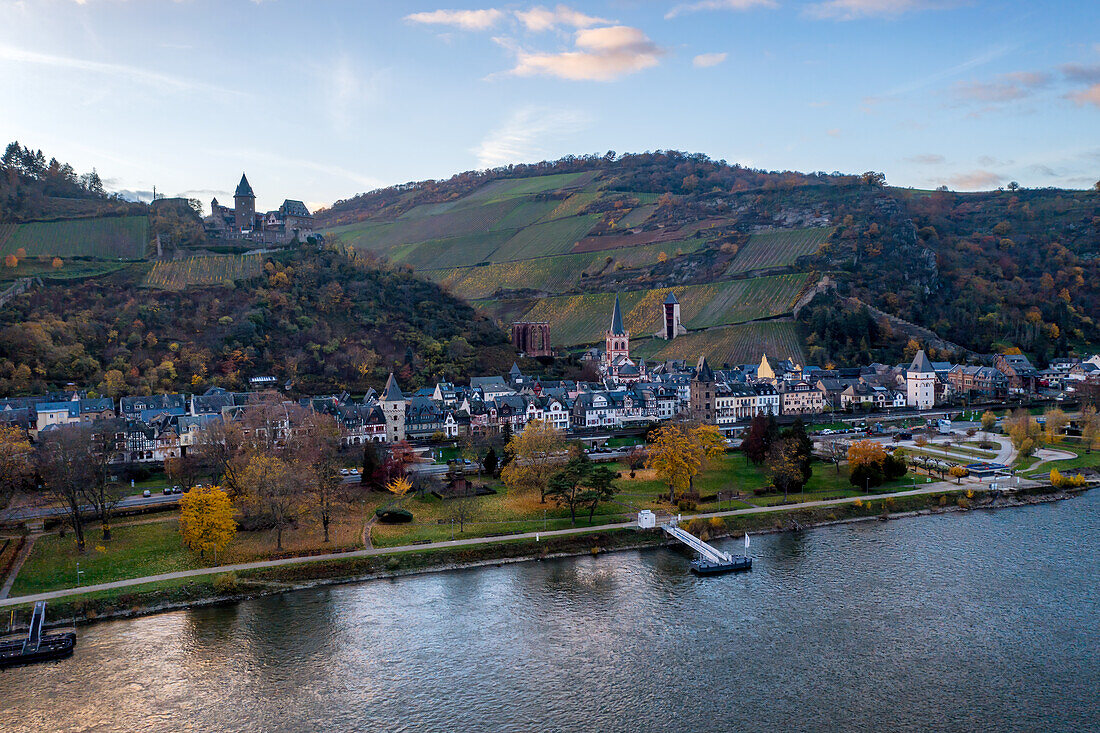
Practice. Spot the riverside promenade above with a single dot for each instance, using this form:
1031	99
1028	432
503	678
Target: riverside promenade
933	488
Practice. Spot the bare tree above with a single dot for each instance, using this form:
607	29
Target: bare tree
62	455
98	490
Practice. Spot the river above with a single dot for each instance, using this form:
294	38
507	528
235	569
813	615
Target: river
983	621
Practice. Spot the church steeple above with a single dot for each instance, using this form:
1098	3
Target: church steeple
616	339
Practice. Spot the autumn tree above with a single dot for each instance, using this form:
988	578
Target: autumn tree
1024	430
99	491
206	520
1056	422
1090	428
785	466
678	453
399	487
989	420
16	463
314	445
11	261
869	464
536	454
959	473
762	433
271	488
183	471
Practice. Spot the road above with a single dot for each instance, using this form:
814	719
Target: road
22	514
933	488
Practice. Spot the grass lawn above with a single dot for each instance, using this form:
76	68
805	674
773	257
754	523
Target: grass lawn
1083	460
134	551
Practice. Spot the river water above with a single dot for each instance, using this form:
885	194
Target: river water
984	621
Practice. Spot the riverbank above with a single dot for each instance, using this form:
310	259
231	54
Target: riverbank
232	587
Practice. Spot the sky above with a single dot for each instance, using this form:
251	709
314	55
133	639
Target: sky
324	99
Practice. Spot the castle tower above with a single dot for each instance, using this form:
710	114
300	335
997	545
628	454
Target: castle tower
244	205
702	394
920	383
617	338
670	319
393	407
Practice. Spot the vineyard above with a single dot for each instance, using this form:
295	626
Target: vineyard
778	248
213	270
117	237
548	274
740	344
582	319
6	230
540	240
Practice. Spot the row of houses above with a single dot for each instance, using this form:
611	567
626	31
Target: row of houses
154	427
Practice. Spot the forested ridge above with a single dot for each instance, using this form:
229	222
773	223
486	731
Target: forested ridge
323	320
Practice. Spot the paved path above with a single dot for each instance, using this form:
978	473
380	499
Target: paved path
24	553
933	488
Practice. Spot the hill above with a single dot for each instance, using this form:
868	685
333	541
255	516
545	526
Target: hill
324	320
553	241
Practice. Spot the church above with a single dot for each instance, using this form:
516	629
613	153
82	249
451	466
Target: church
291	221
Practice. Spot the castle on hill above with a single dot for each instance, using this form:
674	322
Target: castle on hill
289	222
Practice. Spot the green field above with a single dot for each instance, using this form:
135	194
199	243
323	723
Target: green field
778	248
741	344
513	187
582	319
217	270
114	238
70	270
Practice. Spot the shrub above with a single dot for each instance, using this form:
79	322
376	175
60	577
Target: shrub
393	516
717	523
963	502
686	505
226	583
866	475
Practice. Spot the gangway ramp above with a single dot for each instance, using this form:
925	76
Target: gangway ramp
706	551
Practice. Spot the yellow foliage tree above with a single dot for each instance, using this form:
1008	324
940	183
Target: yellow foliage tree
988	420
865	453
1023	429
536	454
679	453
1056	422
959	473
57	263
16	462
399	487
206	520
1090	428
11	261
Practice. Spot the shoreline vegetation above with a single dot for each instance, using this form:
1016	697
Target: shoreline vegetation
233	587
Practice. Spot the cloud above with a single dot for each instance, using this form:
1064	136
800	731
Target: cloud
979	180
1084	74
853	9
347	89
927	159
539	19
467	20
120	71
603	54
705	60
1006	88
523	136
835	132
719	5
1086	96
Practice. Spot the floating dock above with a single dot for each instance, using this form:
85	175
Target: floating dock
37	647
711	561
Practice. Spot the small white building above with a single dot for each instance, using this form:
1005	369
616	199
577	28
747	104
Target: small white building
920	383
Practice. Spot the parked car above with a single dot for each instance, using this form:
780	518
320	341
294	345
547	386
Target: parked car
167	490
827	431
344	472
146	494
354	472
177	489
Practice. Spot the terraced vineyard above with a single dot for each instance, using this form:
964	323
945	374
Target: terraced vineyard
582	319
214	270
740	344
540	240
113	238
6	230
550	274
778	248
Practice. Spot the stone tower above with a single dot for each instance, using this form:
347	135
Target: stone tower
702	394
670	319
617	338
393	407
244	205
